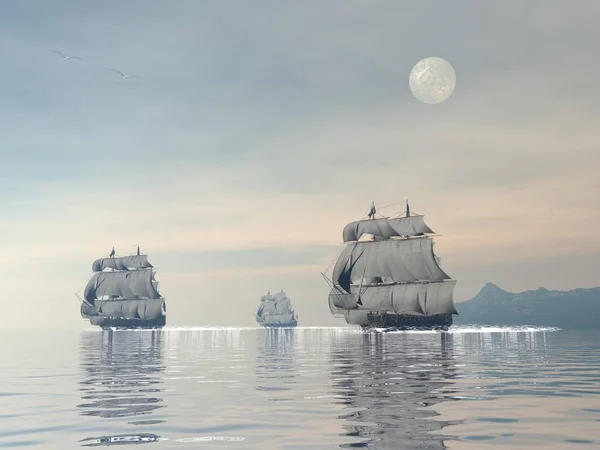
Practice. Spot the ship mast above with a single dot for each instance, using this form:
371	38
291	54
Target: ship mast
372	211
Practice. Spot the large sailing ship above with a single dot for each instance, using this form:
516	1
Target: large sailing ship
391	279
123	293
276	310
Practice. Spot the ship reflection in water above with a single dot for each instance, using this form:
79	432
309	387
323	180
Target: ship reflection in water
387	382
122	379
276	367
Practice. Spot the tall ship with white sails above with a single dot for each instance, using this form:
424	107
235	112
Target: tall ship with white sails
123	293
276	311
391	279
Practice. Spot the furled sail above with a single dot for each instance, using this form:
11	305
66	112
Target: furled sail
124	263
126	285
401	261
386	228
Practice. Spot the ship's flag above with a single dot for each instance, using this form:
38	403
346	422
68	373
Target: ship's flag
112	253
372	211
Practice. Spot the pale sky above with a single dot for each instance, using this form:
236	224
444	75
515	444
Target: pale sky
257	130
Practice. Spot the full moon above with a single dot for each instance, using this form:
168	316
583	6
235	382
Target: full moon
432	80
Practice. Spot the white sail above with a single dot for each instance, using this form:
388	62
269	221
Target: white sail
410	298
146	309
334	309
278	318
356	317
279	296
410	226
386	228
124	263
401	261
340	301
343	265
439	298
275	309
126	285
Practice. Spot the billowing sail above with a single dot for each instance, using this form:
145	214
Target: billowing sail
126	285
334	309
410	298
133	309
124	263
357	317
395	274
400	261
386	228
410	226
123	293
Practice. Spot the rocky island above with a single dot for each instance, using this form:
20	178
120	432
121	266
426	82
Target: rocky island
577	308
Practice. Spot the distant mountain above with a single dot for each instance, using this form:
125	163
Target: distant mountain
579	308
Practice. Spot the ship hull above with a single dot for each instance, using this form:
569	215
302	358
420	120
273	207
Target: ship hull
391	321
279	325
121	323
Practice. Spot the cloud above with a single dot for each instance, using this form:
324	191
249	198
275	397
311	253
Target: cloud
256	132
201	207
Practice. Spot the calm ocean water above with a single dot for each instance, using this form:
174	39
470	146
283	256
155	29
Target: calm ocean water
300	388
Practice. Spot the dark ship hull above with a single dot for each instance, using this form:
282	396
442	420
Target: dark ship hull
128	324
279	325
391	321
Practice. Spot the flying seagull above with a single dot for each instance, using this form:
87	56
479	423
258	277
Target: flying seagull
65	57
123	75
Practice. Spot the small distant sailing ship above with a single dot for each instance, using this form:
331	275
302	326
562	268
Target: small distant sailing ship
123	293
276	310
392	280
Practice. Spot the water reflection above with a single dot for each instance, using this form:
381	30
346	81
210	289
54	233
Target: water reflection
386	382
122	379
524	346
143	438
276	367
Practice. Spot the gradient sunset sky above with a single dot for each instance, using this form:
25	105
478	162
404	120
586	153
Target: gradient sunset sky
257	130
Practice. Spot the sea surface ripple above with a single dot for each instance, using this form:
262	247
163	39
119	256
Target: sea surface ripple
469	388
